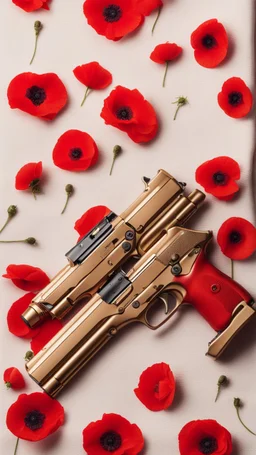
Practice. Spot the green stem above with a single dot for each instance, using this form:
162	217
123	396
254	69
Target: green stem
65	206
13	241
157	17
232	269
85	96
165	73
176	112
35	49
16	446
218	392
113	162
248	429
5	224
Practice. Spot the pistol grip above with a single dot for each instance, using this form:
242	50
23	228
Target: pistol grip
212	293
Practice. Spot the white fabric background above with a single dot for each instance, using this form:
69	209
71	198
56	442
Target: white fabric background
202	131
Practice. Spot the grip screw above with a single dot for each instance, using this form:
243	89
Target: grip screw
136	304
176	270
129	235
126	246
113	331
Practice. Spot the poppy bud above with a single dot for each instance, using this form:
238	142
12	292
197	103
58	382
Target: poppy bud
222	380
12	210
116	151
69	190
237	402
38	26
30	240
28	356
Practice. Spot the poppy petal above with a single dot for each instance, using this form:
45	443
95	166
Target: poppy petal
75	151
210	43
50	411
14	321
93	75
43	96
14	378
48	331
28	173
235	98
145	7
164	53
31	5
237	238
90	219
27	277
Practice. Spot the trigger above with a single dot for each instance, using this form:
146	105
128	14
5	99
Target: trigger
165	300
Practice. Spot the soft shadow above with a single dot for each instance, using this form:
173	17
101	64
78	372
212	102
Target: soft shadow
244	342
178	398
51	442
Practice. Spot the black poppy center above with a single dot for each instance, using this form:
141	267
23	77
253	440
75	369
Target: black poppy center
75	153
110	441
36	95
112	13
124	113
209	41
208	445
235	98
235	237
34	420
220	178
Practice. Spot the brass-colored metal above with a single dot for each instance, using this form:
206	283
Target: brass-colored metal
98	321
241	315
161	206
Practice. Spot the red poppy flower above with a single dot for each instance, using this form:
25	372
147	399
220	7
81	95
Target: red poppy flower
94	76
204	437
90	218
128	111
41	95
27	277
237	238
210	43
165	53
31	5
48	331
156	387
113	433
113	19
235	98
34	417
14	321
145	7
75	151
29	176
13	379
218	177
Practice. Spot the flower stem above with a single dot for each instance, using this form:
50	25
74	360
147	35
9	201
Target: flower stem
248	429
85	96
218	393
165	73
232	269
116	151
16	446
69	191
65	206
5	224
157	17
29	240
176	112
35	49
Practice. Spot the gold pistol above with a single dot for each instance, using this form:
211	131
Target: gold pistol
172	271
111	243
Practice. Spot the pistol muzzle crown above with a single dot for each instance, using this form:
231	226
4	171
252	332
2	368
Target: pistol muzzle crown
32	316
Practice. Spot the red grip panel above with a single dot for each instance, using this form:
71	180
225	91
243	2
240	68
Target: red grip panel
212	293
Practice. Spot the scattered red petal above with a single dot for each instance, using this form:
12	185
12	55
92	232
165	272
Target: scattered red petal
51	413
156	387
27	277
93	75
75	151
90	218
218	177
128	111
27	174
145	7
164	53
128	438
210	43
194	434
48	331
237	238
14	321
31	5
14	379
235	98
41	95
